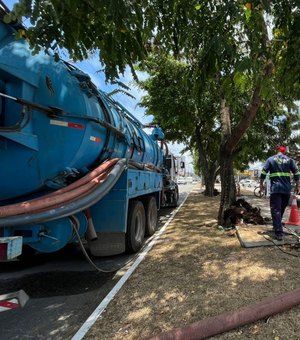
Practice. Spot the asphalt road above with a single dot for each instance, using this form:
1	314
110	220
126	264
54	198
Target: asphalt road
64	289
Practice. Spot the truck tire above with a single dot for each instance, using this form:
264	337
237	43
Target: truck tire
151	215
175	198
136	224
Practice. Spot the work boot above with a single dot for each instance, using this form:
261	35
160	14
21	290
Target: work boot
279	237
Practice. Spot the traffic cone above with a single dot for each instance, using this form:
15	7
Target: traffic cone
294	214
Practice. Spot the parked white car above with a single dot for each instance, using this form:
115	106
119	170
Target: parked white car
250	183
181	181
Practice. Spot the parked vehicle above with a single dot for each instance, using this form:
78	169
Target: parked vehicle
75	164
181	181
248	183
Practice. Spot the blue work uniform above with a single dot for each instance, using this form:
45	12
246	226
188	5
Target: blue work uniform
280	167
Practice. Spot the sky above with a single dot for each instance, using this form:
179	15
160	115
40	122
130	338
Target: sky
91	67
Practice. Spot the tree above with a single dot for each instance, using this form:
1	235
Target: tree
195	121
237	49
184	117
116	30
251	47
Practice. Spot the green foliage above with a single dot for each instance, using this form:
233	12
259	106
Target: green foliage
123	88
286	45
116	28
183	115
169	97
202	52
215	36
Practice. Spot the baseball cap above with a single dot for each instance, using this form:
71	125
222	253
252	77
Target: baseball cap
281	148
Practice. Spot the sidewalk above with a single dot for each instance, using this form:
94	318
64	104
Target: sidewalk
196	271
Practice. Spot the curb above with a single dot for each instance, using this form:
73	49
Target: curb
83	330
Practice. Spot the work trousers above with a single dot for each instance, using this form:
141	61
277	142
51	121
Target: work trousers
278	203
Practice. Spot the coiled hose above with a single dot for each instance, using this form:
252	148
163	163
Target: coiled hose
76	197
50	207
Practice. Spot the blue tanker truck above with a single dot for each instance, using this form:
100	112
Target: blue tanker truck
75	164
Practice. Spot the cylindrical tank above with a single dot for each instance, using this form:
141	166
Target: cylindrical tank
84	127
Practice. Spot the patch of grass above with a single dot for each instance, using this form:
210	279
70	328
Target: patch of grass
196	271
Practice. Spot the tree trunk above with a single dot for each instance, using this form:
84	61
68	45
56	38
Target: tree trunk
209	169
231	137
209	181
228	189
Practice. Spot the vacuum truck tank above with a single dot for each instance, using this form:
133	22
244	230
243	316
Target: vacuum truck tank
74	162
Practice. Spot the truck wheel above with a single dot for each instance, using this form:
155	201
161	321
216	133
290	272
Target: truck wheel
135	226
175	198
151	215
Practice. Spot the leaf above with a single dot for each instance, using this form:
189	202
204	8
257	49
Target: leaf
110	94
121	84
248	14
239	80
7	19
249	5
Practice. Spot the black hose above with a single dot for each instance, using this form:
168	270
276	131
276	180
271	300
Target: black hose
72	208
75	227
21	123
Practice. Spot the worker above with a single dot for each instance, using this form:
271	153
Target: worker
279	167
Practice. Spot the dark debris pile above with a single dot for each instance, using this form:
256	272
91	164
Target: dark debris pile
242	210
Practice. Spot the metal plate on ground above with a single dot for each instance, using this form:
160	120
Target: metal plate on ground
261	236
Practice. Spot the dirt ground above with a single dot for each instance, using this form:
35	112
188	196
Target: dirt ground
195	271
